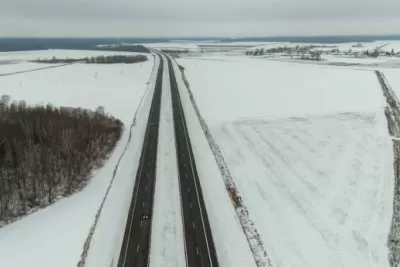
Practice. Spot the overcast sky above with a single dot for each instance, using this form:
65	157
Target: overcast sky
197	17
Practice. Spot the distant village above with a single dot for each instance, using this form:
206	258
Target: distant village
315	52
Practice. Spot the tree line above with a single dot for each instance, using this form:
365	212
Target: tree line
126	59
48	152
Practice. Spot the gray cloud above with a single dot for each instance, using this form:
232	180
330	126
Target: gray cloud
191	17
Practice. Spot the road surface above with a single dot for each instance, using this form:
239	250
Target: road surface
199	245
200	249
136	243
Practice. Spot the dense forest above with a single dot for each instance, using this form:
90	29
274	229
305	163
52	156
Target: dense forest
49	152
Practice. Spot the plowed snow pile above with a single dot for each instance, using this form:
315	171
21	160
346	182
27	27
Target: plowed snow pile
310	153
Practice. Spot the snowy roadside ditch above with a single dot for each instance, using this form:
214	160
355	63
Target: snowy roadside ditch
392	112
232	247
99	237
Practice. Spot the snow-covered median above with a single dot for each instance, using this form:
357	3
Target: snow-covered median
310	154
167	222
55	236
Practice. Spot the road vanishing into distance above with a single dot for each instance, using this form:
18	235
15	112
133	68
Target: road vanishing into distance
136	242
199	244
200	249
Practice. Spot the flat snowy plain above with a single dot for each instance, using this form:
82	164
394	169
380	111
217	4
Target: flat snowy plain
309	150
55	235
306	145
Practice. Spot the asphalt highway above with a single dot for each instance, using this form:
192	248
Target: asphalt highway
136	242
199	244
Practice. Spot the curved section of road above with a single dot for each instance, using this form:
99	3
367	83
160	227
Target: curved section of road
200	248
136	242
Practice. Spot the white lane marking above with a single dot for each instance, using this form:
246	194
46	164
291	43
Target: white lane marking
197	250
194	226
137	250
141	223
190	205
136	194
166	68
191	161
145	188
186	175
188	189
143	204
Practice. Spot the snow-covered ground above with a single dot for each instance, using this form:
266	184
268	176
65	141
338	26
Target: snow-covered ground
309	150
393	77
343	47
175	45
11	62
48	54
259	88
21	66
55	235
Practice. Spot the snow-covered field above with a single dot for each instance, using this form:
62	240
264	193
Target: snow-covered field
393	77
48	54
55	235
21	66
11	62
175	45
309	150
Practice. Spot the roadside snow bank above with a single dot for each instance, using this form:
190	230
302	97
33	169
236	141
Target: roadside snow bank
249	88
108	236
230	242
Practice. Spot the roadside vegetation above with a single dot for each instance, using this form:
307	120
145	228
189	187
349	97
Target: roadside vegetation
96	60
48	152
392	112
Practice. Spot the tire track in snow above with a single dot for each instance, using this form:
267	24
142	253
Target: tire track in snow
38	69
86	245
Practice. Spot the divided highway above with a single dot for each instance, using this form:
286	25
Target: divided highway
200	249
199	245
136	243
